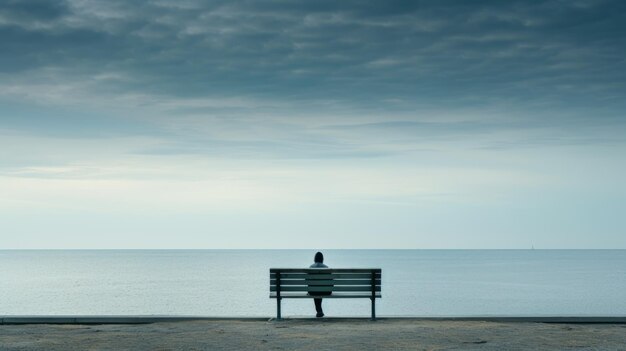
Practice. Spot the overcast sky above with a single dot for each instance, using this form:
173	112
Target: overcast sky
313	124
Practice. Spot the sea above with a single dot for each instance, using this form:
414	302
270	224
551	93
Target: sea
235	283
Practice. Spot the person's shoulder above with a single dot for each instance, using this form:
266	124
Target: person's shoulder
318	265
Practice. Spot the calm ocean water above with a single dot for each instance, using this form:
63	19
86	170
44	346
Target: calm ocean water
235	282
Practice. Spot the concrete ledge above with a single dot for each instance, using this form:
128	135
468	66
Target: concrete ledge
112	319
157	319
531	319
38	320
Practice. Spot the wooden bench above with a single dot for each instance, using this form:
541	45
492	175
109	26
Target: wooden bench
287	283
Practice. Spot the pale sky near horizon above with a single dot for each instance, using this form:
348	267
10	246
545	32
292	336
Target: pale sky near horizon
312	124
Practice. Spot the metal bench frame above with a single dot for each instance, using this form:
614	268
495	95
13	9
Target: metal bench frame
342	282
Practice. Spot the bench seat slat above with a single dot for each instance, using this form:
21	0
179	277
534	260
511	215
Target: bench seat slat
335	282
325	276
329	270
326	288
333	296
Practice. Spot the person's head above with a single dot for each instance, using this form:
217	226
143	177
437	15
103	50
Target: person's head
319	258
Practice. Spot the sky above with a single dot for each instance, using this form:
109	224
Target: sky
313	124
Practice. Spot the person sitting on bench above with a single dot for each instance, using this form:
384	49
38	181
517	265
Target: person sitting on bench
319	263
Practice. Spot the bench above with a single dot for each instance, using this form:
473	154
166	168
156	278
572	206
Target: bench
287	283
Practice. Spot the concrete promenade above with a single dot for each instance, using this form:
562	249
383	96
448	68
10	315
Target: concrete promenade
310	334
147	319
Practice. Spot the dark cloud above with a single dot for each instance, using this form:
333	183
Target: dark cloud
551	65
362	53
33	10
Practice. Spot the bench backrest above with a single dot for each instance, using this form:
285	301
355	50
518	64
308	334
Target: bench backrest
320	280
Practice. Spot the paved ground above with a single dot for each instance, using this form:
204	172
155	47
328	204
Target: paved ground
311	334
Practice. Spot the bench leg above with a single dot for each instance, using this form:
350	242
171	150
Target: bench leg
373	308
278	308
